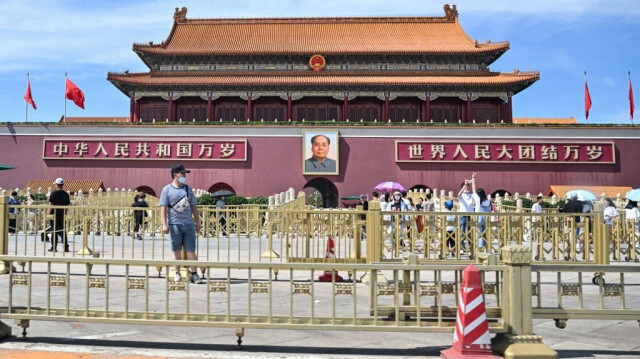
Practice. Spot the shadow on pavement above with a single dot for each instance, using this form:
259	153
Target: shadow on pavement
285	349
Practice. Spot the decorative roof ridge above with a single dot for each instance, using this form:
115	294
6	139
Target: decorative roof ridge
325	74
318	20
126	73
450	15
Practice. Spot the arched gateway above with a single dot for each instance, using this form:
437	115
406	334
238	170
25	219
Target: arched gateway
225	114
327	189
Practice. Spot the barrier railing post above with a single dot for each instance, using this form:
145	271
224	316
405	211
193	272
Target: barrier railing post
601	239
4	232
520	341
374	233
270	253
85	250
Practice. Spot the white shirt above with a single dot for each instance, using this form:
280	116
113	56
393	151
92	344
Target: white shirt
450	218
634	213
466	201
536	208
609	213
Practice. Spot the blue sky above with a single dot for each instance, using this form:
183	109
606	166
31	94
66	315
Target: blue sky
87	39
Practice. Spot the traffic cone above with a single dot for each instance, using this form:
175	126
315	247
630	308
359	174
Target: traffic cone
330	254
471	336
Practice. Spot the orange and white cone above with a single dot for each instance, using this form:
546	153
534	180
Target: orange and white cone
328	276
471	336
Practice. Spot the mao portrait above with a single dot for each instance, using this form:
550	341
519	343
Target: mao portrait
320	152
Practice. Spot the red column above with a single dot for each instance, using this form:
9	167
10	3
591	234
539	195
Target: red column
131	107
468	120
170	109
249	108
510	111
345	108
209	108
386	108
289	108
136	112
428	108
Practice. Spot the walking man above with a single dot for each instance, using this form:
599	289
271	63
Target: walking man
178	205
58	198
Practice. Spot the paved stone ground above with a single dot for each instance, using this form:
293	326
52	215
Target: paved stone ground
581	338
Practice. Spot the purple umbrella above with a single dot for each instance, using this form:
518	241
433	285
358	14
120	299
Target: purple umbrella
390	186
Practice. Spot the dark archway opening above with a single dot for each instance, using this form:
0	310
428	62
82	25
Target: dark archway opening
221	186
419	187
146	189
501	192
327	189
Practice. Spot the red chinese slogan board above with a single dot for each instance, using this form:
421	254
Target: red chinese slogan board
145	149
505	152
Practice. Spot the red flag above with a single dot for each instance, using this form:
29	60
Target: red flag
631	106
74	93
587	100
28	97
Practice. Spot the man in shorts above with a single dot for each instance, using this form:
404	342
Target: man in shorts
178	205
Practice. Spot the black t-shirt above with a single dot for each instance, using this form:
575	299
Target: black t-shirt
573	206
140	212
59	198
365	207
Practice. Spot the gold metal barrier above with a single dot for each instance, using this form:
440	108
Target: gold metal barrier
581	238
573	294
419	298
294	234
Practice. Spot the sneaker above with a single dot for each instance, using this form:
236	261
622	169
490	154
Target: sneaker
195	278
51	250
177	277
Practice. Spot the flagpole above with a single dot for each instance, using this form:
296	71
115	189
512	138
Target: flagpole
586	118
26	108
630	99
64	119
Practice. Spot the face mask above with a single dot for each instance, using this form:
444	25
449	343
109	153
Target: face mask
396	197
182	180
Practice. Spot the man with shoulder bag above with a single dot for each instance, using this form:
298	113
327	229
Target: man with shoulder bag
178	206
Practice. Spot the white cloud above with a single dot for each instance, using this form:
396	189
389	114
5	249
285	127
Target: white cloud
62	33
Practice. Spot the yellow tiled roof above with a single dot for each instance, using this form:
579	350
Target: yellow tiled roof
609	191
326	78
72	186
319	36
546	121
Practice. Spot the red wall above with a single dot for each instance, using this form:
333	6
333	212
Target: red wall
274	164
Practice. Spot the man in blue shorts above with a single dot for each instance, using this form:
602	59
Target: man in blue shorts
178	205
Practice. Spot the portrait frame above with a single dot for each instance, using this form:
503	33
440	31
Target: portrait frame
328	167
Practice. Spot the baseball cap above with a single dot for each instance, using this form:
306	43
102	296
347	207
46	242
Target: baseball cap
58	181
179	169
574	195
448	204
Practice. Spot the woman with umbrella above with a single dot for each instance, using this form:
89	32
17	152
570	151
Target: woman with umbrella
220	204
